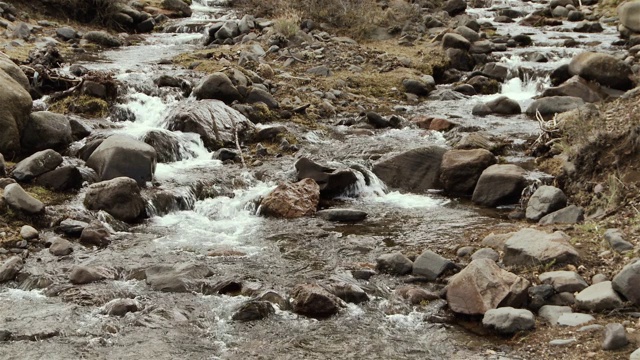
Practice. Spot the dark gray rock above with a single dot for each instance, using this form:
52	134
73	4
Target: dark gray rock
499	185
455	7
501	105
59	246
179	278
180	7
347	292
82	274
95	234
564	281
507	320
16	105
627	280
17	198
342	215
3	167
416	170
314	301
417	87
616	241
551	313
229	30
577	87
217	86
71	227
332	182
461	169
102	38
253	310
571	214
431	265
545	200
120	307
257	95
36	164
46	130
394	264
615	337
61	179
455	41
604	69
66	33
119	197
121	155
549	106
588	27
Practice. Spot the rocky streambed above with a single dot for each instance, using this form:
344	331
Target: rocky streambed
223	188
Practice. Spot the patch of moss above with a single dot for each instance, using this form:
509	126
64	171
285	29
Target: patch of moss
81	104
47	196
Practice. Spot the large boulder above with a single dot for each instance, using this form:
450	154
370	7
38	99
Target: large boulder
461	169
292	200
216	123
482	286
533	247
604	69
120	197
416	170
314	301
14	71
545	200
46	130
15	106
629	14
121	155
17	198
626	282
36	164
577	87
217	86
500	185
549	106
332	182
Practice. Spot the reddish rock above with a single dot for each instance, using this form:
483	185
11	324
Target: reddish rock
292	200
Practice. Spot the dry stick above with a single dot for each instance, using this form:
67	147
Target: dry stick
235	132
63	94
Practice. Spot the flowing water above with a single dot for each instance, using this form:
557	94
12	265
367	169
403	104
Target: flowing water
272	253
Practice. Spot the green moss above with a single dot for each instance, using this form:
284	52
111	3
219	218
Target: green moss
47	196
81	104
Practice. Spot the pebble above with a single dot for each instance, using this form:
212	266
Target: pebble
562	342
28	232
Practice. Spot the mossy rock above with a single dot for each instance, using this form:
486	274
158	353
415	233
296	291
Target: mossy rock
82	104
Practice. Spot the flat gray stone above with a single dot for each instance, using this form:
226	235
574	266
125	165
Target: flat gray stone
10	268
533	247
615	337
19	199
564	281
508	320
616	240
486	253
591	328
569	215
574	319
562	342
551	313
431	265
545	200
394	264
626	282
598	297
635	355
342	215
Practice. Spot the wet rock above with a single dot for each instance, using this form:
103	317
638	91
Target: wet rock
571	214
499	185
178	278
10	268
120	307
225	154
468	33
274	298
270	133
494	70
60	246
61	179
215	122
71	227
577	87
416	170
564	281
179	6
417	87
560	12
484	85
461	169
482	286
507	320
17	198
629	14
575	15
533	247
253	310
588	27
598	297
377	120
615	337
29	232
119	197
36	164
455	7
574	319
292	200
81	274
604	69
342	215
314	301
627	280
166	145
217	86
560	74
468	90
616	241
347	292
545	200
416	295
394	264
551	313
46	130
332	182
363	274
124	156
460	59
486	253
431	265
501	105
102	38
549	106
